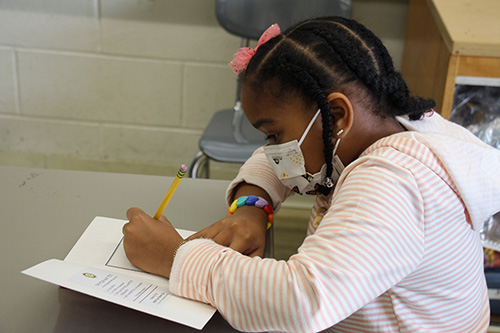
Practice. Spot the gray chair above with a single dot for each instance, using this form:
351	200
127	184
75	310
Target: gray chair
229	137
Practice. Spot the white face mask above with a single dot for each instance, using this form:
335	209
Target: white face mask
288	163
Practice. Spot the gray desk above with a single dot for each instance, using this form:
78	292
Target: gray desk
42	215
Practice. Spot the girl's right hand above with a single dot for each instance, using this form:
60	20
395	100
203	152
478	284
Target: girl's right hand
244	231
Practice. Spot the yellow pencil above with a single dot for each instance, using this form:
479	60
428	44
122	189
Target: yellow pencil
171	190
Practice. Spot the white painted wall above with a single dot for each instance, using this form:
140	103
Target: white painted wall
124	85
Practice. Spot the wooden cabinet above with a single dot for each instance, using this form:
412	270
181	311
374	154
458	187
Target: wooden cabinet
446	39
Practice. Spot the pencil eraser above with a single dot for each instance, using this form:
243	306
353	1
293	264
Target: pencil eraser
183	168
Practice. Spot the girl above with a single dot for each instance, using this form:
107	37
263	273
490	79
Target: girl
393	242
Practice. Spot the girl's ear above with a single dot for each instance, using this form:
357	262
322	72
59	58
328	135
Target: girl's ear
342	113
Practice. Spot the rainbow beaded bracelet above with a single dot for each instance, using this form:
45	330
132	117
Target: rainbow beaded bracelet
252	200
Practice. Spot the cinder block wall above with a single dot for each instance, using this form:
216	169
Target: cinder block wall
124	85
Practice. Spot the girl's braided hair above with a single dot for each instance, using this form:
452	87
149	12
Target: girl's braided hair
319	56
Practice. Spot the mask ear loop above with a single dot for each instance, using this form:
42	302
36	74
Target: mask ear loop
328	180
309	127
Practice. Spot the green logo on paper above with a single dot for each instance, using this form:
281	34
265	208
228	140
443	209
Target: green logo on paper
89	275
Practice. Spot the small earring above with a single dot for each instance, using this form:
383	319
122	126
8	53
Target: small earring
339	133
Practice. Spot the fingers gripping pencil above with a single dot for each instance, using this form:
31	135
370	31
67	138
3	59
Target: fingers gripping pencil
180	173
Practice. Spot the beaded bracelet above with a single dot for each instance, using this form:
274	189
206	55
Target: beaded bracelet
252	200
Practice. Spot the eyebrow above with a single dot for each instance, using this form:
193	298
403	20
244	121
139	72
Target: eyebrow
263	121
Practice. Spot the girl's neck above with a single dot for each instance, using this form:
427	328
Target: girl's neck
360	138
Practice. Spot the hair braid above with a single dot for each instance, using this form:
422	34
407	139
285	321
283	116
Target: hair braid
364	56
347	50
393	88
296	72
397	93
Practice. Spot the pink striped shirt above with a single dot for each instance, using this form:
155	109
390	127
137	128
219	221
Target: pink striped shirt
396	251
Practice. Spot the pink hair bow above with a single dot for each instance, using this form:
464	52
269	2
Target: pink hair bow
244	54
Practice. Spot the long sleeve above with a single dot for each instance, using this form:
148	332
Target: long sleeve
347	262
257	171
394	252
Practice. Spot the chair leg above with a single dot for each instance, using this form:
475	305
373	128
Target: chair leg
199	166
269	249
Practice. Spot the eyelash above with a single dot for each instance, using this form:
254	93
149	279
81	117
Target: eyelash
273	137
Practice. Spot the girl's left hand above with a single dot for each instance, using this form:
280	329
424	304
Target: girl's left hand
149	243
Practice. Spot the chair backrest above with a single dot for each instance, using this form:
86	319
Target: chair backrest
250	18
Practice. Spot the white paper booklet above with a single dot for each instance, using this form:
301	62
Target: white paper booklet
97	266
